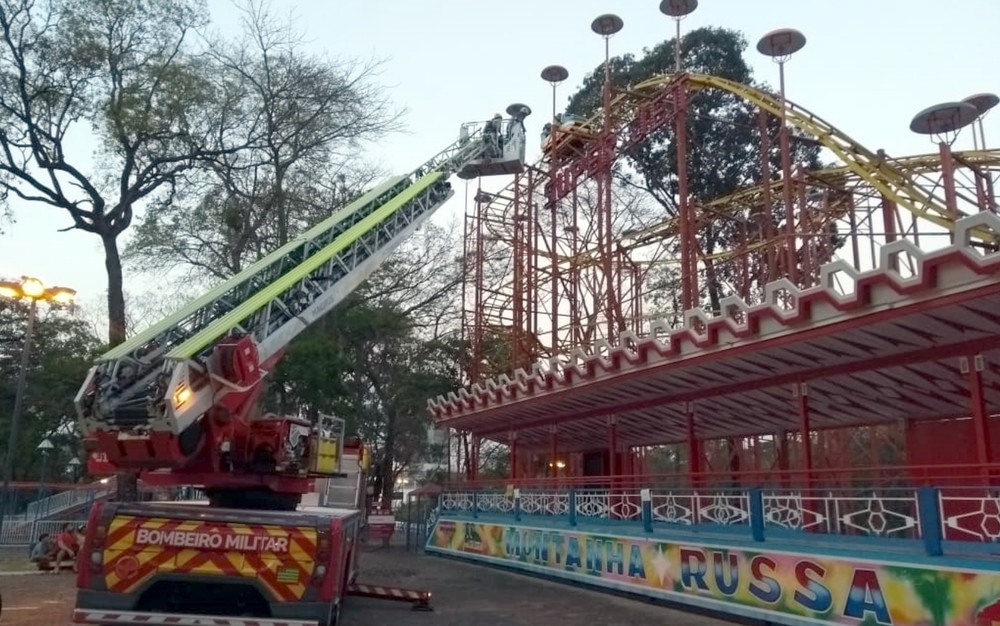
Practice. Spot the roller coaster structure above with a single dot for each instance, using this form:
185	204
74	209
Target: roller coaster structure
555	267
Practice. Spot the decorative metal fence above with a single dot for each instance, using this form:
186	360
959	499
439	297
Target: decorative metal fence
937	520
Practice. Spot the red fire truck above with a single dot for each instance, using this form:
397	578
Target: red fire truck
177	405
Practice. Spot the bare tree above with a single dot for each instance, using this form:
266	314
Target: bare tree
121	72
310	116
422	280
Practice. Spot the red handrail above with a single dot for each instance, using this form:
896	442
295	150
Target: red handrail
885	476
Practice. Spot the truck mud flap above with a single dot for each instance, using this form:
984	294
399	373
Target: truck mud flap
113	618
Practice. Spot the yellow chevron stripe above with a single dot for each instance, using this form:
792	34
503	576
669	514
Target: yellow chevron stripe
300	554
154	522
188	525
124	543
208	567
238	565
182	557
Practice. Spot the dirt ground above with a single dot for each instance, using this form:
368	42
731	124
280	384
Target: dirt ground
463	594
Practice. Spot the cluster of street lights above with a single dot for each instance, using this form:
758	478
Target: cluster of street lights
33	291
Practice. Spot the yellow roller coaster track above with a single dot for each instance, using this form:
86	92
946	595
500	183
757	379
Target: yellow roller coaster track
890	180
890	177
835	177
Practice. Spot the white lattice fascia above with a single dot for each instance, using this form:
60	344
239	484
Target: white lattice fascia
890	258
736	313
982	221
696	322
772	295
832	277
628	346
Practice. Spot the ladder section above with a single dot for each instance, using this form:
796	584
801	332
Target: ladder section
287	306
117	387
272	300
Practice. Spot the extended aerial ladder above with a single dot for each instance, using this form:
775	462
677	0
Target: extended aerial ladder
177	403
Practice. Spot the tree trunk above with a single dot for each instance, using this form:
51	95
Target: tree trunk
128	482
386	469
116	293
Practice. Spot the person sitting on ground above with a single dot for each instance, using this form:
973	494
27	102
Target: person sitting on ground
41	549
66	546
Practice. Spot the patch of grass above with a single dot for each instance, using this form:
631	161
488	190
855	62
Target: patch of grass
14	564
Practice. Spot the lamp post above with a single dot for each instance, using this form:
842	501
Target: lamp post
74	468
943	122
553	75
45	447
780	45
32	290
983	103
678	10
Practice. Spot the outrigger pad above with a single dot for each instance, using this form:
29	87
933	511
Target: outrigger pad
421	599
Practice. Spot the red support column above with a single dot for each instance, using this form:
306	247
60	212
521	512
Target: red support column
694	446
973	366
781	439
764	217
948	182
852	222
474	460
518	281
807	229
612	446
889	224
791	256
554	434
801	391
513	456
630	466
478	323
554	250
689	263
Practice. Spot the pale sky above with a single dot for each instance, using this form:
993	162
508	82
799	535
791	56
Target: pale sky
868	67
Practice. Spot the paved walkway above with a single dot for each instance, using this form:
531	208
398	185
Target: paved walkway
463	595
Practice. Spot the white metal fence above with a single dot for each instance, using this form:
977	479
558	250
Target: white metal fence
68	500
19	533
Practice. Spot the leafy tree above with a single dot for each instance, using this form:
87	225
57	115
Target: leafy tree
367	363
376	358
124	72
723	138
63	347
305	120
494	462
